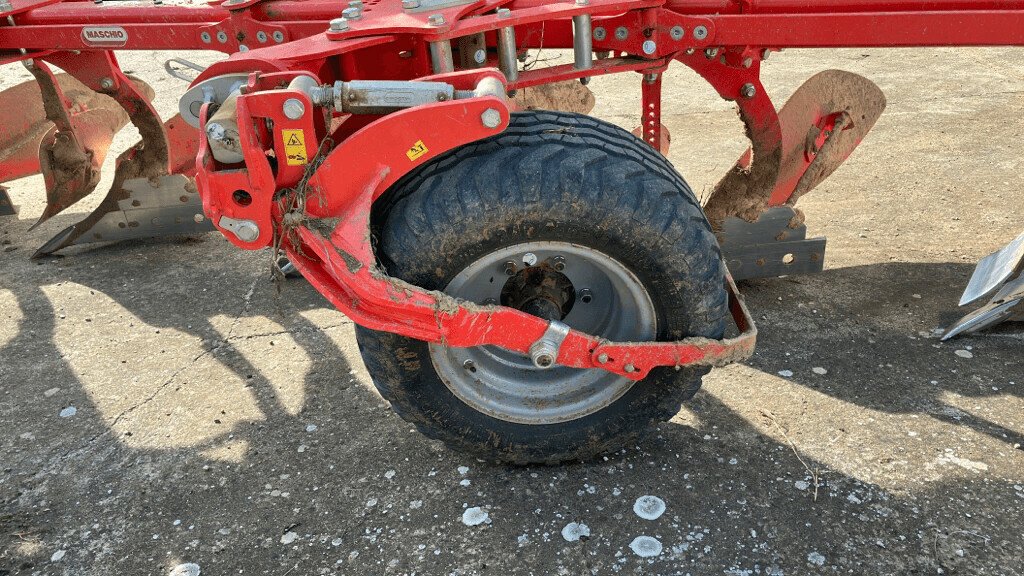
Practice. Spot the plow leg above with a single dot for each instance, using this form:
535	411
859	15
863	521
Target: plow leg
153	192
793	150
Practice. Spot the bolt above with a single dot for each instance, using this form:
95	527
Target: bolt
748	90
543	354
435	19
243	48
480	56
261	36
503	13
278	36
491	118
602	358
748	62
700	32
600	33
410	4
677	33
199	218
293	108
205	37
107	84
356	4
215	131
247	231
529	258
649	47
710	53
585	80
339	25
509	268
629	368
222	37
469	365
582	2
352	13
765	53
559	263
586	295
621	33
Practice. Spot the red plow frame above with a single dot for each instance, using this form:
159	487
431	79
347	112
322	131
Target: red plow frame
315	146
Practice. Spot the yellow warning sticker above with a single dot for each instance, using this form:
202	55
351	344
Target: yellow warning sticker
418	149
295	147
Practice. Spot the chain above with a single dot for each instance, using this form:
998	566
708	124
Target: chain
292	204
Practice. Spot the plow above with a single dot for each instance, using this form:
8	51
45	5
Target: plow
530	283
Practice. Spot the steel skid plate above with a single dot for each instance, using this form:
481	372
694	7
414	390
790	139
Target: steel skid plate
776	244
1001	272
163	206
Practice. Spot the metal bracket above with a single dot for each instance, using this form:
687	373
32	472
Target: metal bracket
772	246
544	352
415	6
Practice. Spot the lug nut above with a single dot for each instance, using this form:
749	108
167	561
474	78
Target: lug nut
509	268
469	365
586	296
558	262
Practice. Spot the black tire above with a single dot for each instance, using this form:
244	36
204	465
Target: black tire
549	176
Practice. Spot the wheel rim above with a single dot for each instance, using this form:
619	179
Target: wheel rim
610	301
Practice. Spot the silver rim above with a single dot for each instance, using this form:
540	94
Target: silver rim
609	302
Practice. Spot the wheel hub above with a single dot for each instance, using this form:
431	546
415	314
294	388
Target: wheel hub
581	287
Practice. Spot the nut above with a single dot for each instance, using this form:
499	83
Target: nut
491	118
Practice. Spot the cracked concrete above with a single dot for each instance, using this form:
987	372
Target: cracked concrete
221	424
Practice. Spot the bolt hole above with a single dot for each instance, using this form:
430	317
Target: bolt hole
788	259
586	298
242	198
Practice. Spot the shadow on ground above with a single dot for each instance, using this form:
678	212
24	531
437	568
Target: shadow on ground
341	485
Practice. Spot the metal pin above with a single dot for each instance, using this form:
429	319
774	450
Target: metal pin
441	57
507	61
583	42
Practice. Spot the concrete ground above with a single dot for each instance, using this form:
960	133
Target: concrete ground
161	404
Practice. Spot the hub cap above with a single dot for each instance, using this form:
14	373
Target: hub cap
583	288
